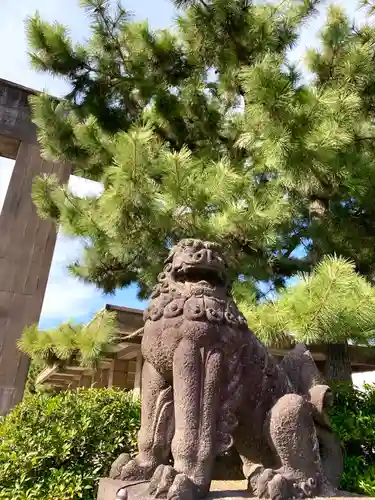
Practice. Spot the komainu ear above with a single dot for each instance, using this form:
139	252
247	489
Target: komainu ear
169	259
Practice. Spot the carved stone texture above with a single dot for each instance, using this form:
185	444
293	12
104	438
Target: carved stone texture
209	384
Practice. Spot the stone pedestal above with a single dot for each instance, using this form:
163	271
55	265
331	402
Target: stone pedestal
220	490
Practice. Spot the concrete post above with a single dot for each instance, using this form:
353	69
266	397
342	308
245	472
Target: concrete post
26	249
26	242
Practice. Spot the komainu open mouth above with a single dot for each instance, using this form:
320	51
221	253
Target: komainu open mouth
198	273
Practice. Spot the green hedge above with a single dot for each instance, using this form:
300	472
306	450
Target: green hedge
353	419
57	447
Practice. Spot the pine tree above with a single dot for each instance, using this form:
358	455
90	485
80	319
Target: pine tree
85	345
146	118
317	142
331	305
208	131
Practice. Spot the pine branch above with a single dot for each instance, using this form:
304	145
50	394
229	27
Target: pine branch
359	139
108	268
114	38
323	301
278	266
183	4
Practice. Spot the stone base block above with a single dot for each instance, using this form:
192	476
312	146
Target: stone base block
220	490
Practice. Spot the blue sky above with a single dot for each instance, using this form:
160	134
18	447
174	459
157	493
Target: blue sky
66	298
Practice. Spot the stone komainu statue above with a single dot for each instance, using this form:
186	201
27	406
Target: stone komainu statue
209	384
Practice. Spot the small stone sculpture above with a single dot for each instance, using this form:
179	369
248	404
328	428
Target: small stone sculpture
209	384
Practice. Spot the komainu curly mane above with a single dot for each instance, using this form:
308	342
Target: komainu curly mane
178	289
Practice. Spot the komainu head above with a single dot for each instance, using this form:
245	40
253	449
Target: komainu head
196	261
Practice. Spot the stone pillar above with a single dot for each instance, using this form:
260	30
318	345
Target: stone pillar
26	249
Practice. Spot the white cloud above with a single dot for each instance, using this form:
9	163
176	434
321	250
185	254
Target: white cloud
66	297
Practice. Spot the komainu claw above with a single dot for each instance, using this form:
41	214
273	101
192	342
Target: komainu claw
182	489
168	484
161	481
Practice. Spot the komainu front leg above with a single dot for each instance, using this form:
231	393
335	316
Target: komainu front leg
157	427
293	436
196	384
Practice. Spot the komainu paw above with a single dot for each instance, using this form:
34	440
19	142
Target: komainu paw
134	471
169	484
118	465
281	485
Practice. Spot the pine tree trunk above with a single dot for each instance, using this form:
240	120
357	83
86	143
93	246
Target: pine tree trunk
338	367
